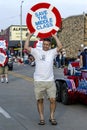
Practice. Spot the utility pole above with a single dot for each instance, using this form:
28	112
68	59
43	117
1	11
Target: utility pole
21	26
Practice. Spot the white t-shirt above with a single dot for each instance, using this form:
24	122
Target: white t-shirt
43	64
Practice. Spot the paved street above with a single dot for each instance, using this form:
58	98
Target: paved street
18	110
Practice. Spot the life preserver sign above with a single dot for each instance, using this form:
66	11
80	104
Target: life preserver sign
3	44
43	20
3	57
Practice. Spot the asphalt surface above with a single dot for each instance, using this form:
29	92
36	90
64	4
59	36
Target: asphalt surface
18	109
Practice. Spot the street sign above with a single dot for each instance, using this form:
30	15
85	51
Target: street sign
43	20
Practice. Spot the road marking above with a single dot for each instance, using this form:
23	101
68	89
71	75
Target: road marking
21	76
2	111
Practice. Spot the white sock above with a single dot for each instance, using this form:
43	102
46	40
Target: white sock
6	79
2	80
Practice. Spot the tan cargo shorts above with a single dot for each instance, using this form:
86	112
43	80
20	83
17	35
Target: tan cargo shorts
4	70
47	88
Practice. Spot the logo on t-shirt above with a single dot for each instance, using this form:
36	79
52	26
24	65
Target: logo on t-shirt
43	57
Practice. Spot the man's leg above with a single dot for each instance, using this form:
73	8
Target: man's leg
1	74
52	111
2	79
39	93
52	107
6	73
40	107
51	93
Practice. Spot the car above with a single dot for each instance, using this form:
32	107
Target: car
73	87
10	62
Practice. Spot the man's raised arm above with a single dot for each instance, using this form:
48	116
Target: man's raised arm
26	45
59	45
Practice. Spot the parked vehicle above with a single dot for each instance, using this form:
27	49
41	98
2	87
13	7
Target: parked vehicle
73	87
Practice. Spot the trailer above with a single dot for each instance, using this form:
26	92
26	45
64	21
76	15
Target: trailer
72	88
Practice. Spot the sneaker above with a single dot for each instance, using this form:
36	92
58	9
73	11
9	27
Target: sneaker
2	80
6	80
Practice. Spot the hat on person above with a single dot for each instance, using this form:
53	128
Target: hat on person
85	47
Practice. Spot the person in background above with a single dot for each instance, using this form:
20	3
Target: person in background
43	75
60	59
79	52
63	57
83	58
57	61
31	60
4	69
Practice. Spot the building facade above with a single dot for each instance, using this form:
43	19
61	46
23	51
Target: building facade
13	35
73	34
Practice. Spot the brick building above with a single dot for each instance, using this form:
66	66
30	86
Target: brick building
73	34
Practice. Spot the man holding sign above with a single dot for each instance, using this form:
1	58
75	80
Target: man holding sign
43	75
44	21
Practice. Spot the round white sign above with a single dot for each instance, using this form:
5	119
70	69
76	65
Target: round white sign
43	20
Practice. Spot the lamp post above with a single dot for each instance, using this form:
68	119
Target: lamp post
21	26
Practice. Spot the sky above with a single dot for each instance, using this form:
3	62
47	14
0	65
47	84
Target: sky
10	9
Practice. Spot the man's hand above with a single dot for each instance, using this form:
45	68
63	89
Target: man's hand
54	35
59	45
29	35
26	46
